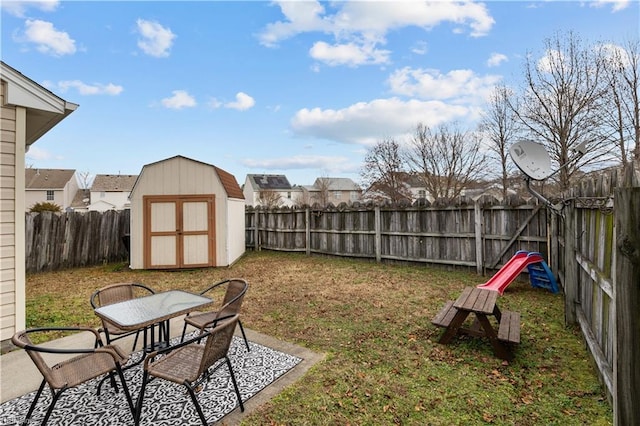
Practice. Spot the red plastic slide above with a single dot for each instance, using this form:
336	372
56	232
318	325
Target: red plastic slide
511	270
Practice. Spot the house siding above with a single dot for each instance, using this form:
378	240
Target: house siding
109	200
12	296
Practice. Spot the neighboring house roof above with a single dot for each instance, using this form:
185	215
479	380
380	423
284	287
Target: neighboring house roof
113	183
81	199
47	178
336	184
44	109
269	182
228	181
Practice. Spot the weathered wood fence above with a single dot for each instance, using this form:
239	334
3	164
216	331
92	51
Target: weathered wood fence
599	268
56	241
479	234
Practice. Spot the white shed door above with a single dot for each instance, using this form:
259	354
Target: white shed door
179	231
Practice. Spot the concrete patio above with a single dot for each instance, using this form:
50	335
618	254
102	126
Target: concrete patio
19	376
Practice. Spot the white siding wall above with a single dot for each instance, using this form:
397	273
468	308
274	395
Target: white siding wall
120	200
235	232
70	190
12	275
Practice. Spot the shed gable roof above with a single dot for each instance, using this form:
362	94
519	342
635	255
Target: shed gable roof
228	181
47	178
113	183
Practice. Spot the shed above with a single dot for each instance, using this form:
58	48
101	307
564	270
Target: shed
185	214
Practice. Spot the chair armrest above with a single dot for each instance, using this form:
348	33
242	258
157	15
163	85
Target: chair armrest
215	321
43	348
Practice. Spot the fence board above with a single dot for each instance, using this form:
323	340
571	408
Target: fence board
600	280
55	241
461	235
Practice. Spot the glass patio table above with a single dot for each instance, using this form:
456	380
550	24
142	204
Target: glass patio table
158	308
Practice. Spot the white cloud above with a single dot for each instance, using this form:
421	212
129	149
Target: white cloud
496	59
367	122
350	54
302	16
616	5
359	27
374	18
456	85
550	60
90	89
180	99
420	48
332	164
243	102
155	40
38	154
19	8
48	39
614	52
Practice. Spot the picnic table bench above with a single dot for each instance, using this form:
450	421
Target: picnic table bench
482	303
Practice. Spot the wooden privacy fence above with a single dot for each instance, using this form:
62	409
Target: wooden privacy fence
599	251
67	240
479	234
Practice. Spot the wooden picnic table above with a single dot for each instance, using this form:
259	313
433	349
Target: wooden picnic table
482	303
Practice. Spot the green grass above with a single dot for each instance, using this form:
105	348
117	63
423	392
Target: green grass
383	364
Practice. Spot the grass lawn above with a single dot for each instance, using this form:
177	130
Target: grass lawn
383	364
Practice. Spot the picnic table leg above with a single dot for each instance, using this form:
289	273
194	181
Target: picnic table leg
452	329
500	350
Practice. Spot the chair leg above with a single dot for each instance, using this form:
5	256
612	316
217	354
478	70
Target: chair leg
194	398
184	331
235	384
246	343
138	410
56	395
35	401
126	390
135	341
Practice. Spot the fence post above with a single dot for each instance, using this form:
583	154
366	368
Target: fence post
256	231
552	243
307	231
570	283
479	246
626	368
378	239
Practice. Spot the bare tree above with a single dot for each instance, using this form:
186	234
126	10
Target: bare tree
499	125
623	100
322	196
85	179
446	161
269	198
561	105
384	172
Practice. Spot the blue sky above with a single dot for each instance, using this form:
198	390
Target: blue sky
298	88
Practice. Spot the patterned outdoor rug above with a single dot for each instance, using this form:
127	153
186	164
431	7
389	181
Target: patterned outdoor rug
165	403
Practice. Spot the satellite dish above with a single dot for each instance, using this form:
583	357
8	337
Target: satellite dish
532	159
